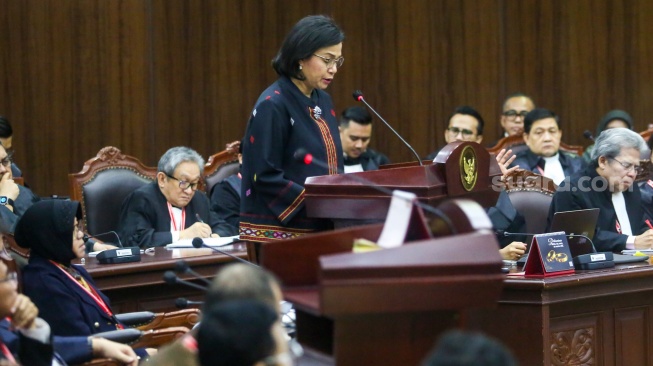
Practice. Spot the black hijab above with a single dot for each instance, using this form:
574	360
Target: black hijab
47	229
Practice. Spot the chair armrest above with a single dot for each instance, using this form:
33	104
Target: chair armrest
159	337
136	319
180	318
125	336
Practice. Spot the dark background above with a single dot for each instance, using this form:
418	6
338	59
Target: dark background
146	75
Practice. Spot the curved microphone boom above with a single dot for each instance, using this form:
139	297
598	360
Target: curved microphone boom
199	243
182	267
171	278
183	303
88	238
303	155
358	95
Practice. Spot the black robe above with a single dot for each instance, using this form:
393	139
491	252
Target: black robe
575	195
272	196
145	220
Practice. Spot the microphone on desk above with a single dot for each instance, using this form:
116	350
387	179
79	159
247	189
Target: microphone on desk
182	267
595	260
172	279
199	243
588	135
183	303
88	238
358	95
302	155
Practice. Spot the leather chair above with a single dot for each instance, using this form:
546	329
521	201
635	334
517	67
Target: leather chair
517	144
102	185
531	195
220	166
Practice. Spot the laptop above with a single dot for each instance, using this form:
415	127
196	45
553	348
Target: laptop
583	222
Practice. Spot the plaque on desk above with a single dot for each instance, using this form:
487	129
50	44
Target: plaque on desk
549	255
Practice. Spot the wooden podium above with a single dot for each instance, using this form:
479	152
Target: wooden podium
387	307
461	170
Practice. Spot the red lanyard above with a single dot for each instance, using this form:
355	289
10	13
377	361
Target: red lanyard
92	293
7	353
182	225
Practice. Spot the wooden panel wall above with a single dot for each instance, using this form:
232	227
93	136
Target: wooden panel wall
145	75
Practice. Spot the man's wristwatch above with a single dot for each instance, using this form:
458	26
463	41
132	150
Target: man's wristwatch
4	200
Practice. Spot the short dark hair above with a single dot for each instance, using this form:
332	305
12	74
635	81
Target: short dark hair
536	115
236	333
463	348
469	111
516	95
6	130
357	114
307	36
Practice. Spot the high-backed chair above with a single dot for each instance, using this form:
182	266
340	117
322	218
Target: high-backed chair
221	165
102	185
531	195
517	144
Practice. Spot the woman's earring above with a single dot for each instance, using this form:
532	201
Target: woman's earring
300	67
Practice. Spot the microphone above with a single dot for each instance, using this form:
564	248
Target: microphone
89	238
358	95
588	135
182	303
182	267
302	155
199	243
171	278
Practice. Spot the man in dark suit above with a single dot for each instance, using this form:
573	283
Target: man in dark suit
355	134
608	184
170	208
542	135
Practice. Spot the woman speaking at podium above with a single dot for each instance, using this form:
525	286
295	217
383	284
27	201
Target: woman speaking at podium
291	114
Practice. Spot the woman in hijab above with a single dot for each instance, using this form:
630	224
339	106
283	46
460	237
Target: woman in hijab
64	293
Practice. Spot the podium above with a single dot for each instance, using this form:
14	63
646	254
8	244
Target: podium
387	307
461	170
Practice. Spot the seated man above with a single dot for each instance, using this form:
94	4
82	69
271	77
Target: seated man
355	133
608	184
14	198
6	139
464	124
26	338
542	135
225	195
170	208
515	108
235	281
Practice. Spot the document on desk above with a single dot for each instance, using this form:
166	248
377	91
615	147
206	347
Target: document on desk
223	243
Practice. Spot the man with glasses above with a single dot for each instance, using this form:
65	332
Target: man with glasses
465	124
515	108
542	135
170	208
608	183
6	137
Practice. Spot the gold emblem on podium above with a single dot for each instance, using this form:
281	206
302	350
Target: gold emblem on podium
468	168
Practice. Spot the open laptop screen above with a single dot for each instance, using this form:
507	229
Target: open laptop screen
580	222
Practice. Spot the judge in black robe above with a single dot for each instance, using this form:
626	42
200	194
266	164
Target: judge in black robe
292	114
163	212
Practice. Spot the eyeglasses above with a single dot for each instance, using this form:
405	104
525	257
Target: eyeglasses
6	162
183	184
630	167
455	131
330	62
512	114
11	276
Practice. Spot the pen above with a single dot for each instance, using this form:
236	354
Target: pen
649	224
202	221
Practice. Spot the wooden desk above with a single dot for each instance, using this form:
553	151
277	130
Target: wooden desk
139	286
600	317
